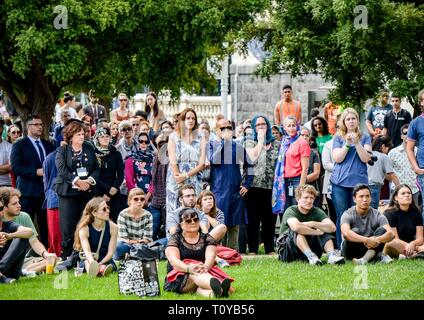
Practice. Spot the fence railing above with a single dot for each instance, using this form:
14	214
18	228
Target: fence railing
206	107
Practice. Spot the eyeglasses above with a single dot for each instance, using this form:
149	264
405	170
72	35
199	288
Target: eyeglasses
192	220
317	124
15	132
226	128
127	129
139	199
143	141
260	125
122	99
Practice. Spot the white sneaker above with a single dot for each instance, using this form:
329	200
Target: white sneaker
359	262
222	263
333	259
315	261
29	274
386	259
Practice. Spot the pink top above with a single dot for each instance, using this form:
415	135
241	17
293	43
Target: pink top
300	149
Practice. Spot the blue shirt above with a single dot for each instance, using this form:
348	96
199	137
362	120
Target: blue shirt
416	133
351	170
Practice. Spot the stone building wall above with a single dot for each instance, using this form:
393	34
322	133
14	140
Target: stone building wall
251	94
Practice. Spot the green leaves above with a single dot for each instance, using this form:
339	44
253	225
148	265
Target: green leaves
360	46
113	45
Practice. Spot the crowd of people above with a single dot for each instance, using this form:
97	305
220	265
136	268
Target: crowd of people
99	188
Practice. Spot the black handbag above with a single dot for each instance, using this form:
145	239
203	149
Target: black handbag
146	252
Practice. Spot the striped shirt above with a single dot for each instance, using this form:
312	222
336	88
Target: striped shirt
135	229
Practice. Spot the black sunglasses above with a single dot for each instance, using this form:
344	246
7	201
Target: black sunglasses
143	141
226	128
192	220
127	129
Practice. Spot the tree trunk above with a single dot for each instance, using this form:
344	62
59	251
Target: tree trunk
38	103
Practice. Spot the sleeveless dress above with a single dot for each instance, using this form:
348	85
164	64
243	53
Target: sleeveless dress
188	156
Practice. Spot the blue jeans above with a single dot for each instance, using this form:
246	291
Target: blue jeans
420	182
121	249
342	199
294	183
375	195
157	220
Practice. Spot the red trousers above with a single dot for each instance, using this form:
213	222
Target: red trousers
55	237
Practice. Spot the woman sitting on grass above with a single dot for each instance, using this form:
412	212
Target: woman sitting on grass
206	203
94	227
135	224
407	224
191	258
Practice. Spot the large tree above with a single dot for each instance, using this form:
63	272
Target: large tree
361	46
110	45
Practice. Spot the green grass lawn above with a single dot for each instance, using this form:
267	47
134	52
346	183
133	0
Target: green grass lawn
256	279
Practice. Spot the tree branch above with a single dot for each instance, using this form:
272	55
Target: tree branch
11	93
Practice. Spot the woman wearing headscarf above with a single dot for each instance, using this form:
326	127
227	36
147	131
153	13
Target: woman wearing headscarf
138	167
262	149
111	170
291	168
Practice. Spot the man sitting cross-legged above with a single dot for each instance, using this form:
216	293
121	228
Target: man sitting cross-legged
364	229
187	199
305	231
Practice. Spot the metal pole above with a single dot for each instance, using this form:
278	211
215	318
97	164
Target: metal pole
224	86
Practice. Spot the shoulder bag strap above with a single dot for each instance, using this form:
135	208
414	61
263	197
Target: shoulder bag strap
100	242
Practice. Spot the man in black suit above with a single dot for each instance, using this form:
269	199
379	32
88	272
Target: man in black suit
94	110
27	159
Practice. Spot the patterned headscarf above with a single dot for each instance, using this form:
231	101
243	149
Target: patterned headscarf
100	151
140	155
279	197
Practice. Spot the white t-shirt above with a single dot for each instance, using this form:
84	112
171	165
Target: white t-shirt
5	150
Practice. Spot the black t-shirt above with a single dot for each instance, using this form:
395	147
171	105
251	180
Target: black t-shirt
8	227
405	223
393	122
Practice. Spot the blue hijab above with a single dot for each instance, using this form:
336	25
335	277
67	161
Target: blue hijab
269	137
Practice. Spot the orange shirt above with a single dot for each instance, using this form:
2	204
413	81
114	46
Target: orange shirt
284	109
